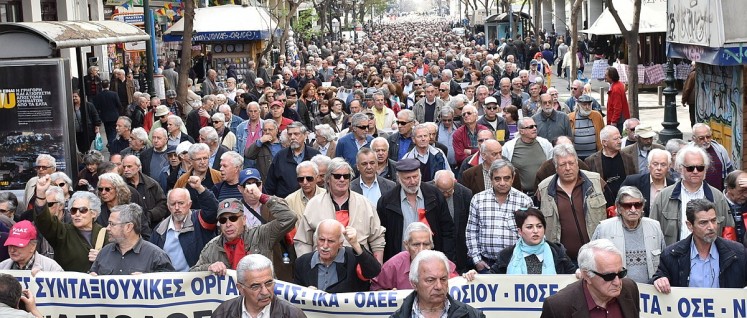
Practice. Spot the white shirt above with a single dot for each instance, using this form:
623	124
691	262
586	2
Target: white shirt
265	313
686	196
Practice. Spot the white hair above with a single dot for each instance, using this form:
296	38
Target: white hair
426	255
586	260
253	263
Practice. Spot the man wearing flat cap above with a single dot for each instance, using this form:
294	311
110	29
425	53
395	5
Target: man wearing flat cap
415	201
586	124
644	135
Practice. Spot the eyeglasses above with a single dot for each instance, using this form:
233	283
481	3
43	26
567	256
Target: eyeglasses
82	210
105	189
443	90
467	113
402	123
700	168
61	184
51	204
629	205
611	276
491	108
703	138
362	127
574	88
232	218
256	287
4	211
337	176
416	85
530	127
307	178
447	120
421	96
112	224
42	167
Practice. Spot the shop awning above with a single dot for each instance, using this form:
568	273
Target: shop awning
653	19
226	23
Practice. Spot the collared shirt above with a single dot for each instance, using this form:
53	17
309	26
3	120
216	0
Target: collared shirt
611	310
491	223
409	213
446	137
300	156
29	264
175	141
323	149
486	177
654	190
423	158
327	275
358	143
643	161
144	257
264	313
417	313
704	272
173	248
685	197
372	193
211	160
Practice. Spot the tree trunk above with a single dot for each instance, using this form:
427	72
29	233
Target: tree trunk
575	10
186	58
292	7
631	38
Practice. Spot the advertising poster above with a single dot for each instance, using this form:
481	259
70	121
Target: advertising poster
35	107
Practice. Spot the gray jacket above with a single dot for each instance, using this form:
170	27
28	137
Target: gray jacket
612	229
553	126
594	204
419	110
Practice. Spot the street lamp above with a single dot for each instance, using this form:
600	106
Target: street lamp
670	108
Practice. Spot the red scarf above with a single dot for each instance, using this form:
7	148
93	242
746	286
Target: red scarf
235	251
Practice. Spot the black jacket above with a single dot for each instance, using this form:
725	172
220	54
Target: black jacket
281	177
563	263
462	197
394	146
642	181
108	105
347	276
279	307
457	309
437	214
675	264
500	126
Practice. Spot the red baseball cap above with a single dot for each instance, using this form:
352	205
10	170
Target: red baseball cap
20	234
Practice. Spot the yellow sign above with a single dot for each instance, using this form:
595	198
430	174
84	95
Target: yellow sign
7	100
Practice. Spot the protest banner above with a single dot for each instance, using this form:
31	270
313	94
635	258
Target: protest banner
196	295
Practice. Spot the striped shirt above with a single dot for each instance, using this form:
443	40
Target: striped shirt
584	137
491	226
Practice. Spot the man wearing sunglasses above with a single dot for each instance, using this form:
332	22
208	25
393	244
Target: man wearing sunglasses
639	237
358	137
44	165
603	291
721	163
237	239
702	259
669	206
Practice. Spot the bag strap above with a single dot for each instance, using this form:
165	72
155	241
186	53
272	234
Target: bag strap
100	239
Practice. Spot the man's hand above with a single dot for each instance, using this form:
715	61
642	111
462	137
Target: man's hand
351	235
481	265
29	301
470	275
265	138
218	268
203	113
662	285
468	151
92	254
196	183
252	192
42	185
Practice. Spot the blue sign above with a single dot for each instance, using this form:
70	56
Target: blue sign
724	56
225	36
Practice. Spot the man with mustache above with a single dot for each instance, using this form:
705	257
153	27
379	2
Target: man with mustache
281	177
644	143
702	259
185	232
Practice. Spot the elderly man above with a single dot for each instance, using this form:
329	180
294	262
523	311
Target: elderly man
147	188
669	207
385	167
256	280
411	201
652	182
429	276
200	117
383	115
548	168
532	105
490	222
348	207
577	90
177	133
231	121
402	141
736	196
123	129
185	232
445	134
199	154
527	153
250	130
638	237
630	126
702	259
335	268
307	173
370	184
154	158
429	108
477	178
551	123
138	143
281	177
493	119
44	165
505	96
261	152
610	163
457	199
721	163
21	243
129	253
355	140
210	137
16	302
431	158
73	251
603	289
465	137
556	104
237	239
572	201
394	273
586	124
644	144
230	166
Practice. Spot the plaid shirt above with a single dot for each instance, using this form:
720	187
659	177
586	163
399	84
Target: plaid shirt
491	226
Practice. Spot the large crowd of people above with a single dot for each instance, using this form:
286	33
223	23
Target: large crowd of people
397	162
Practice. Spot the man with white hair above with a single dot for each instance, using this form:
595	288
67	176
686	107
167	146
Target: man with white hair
385	166
644	144
281	177
307	173
230	165
721	162
209	136
431	158
255	276
429	276
610	163
232	121
148	189
154	158
458	199
577	90
200	116
44	165
447	77
210	86
370	184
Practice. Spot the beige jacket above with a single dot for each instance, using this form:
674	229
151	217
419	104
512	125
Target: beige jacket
594	204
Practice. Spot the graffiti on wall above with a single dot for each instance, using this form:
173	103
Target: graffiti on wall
719	103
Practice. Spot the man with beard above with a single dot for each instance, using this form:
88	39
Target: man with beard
644	143
585	127
721	163
415	201
550	122
186	231
700	259
281	177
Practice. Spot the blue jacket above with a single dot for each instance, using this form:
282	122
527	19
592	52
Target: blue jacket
675	264
241	136
436	161
281	177
348	149
197	230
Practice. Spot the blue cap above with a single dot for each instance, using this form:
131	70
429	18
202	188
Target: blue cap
249	173
171	149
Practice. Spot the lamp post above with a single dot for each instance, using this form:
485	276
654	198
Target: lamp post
670	108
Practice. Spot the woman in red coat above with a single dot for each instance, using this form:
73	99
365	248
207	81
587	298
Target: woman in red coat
617	103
